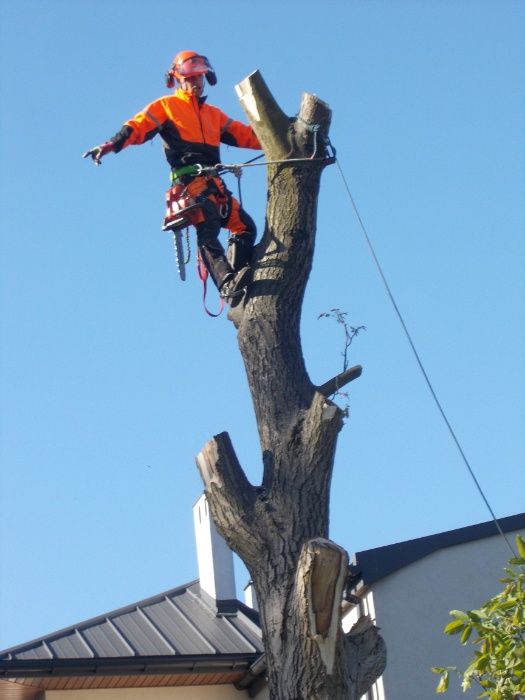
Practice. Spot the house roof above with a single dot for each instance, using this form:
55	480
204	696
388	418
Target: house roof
374	564
179	633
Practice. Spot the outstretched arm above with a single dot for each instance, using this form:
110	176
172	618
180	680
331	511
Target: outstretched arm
142	127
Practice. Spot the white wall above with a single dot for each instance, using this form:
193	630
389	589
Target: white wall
412	606
203	692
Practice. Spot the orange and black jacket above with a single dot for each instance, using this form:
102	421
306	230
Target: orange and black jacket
191	130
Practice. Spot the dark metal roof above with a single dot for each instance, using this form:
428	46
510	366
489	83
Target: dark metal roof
374	564
179	629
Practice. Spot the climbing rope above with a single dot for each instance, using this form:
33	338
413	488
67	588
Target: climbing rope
328	158
236	168
419	361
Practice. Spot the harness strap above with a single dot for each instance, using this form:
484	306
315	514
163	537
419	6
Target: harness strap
203	275
177	173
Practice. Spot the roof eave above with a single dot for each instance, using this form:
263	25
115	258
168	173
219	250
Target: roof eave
152	665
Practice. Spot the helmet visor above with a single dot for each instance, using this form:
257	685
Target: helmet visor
195	65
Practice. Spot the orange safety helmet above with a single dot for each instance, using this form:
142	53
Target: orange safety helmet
188	63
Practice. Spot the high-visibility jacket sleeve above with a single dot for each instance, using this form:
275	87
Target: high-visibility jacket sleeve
141	128
235	133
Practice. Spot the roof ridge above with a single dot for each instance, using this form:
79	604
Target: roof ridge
465	533
371	565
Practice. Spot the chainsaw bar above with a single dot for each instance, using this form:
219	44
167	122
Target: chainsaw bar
179	254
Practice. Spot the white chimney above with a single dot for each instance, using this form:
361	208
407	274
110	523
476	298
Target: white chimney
250	598
214	557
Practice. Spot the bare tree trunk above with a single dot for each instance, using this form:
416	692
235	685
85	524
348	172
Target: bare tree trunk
280	528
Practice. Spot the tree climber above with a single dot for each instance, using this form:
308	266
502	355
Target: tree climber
192	131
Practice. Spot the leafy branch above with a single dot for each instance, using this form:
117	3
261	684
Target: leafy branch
498	666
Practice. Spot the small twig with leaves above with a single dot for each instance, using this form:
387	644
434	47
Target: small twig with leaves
350	332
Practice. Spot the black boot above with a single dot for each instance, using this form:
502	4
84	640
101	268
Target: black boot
215	261
234	287
240	249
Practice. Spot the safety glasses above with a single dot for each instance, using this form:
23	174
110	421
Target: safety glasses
195	65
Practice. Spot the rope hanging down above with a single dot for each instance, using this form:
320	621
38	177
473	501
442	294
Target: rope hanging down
419	362
236	168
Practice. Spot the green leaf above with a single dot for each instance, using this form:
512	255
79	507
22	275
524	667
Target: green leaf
518	615
442	686
466	634
475	615
466	683
483	663
511	573
517	561
520	544
459	614
454	627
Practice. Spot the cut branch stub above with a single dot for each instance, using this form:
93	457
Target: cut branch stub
268	120
321	574
333	385
312	125
273	126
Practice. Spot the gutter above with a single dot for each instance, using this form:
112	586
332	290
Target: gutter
255	677
145	665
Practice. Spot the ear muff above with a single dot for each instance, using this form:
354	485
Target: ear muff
170	80
211	77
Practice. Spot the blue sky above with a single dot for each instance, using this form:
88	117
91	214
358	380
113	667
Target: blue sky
113	378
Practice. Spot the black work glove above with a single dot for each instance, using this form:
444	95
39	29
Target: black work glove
98	152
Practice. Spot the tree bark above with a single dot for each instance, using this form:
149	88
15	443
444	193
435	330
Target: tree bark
280	528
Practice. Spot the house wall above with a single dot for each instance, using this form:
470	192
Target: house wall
203	692
263	694
412	606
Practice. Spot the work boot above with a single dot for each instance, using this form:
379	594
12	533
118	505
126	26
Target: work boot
240	249
234	285
215	262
